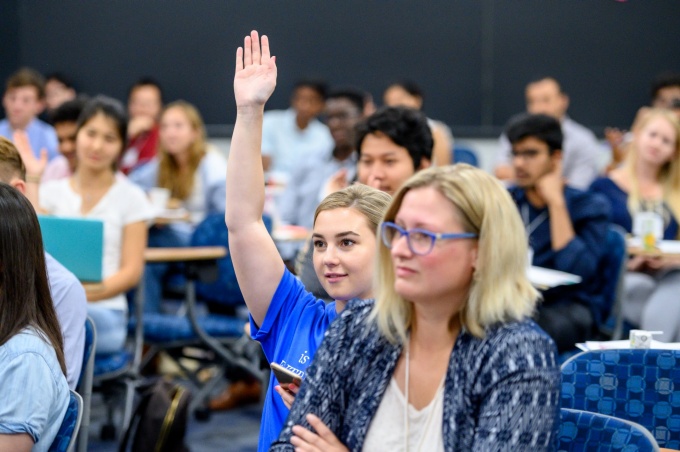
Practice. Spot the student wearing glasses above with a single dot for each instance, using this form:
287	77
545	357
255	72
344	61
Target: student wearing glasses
447	357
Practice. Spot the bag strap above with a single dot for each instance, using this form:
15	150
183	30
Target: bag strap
178	392
136	416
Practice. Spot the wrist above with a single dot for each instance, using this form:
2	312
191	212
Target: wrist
249	110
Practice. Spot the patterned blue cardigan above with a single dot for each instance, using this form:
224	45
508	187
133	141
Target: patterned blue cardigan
501	392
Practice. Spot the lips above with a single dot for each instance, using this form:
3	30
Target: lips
334	277
403	272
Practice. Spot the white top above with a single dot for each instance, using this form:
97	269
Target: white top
123	204
387	430
287	145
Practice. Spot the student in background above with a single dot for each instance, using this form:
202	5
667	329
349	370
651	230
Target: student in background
65	122
58	89
288	321
145	102
23	100
408	94
34	394
95	192
194	175
447	357
649	180
566	228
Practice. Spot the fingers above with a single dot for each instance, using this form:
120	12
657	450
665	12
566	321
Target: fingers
247	52
265	48
305	437
321	429
43	155
239	59
257	56
286	396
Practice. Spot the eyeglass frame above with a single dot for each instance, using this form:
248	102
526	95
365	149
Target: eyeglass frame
434	236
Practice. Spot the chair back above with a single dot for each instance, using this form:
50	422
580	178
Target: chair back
635	385
84	387
212	231
582	430
611	269
68	431
464	155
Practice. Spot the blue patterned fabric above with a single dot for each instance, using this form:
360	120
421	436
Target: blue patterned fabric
168	328
69	425
582	430
500	392
637	385
114	362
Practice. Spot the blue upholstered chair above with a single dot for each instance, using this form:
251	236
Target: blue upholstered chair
68	431
464	155
582	430
84	387
636	385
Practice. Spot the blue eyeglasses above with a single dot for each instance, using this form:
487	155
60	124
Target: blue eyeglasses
420	241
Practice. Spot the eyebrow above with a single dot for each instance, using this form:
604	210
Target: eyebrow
338	235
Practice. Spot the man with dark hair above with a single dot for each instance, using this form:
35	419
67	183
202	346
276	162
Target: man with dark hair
58	89
293	135
67	293
665	92
145	103
23	100
65	122
581	148
566	228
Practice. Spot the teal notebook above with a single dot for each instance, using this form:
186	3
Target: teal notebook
77	244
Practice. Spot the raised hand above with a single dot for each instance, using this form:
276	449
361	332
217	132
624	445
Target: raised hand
255	77
34	167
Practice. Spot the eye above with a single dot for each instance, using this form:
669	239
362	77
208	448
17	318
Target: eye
346	243
319	244
390	162
419	237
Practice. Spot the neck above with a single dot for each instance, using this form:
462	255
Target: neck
20	125
534	197
302	123
342	153
431	327
340	306
89	179
646	172
182	159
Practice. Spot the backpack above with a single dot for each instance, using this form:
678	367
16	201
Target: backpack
160	420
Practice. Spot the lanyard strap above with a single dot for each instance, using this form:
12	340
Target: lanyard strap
530	227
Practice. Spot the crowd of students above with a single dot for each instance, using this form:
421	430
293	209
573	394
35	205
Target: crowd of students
432	326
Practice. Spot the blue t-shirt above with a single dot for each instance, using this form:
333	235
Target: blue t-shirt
291	332
618	199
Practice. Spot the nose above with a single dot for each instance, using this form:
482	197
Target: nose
400	247
330	256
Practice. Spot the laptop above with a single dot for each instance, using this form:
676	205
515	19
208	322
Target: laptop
77	243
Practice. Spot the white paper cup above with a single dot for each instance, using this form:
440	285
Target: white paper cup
159	198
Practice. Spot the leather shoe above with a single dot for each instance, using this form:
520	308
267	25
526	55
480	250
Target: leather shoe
237	394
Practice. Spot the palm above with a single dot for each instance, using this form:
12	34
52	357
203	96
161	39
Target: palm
255	76
33	165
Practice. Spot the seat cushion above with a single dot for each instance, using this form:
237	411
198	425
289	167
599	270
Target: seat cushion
104	364
168	328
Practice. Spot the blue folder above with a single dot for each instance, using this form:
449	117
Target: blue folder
77	244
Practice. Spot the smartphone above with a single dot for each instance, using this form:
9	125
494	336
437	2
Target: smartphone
285	376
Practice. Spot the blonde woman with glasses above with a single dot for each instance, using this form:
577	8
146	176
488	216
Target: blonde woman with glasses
447	357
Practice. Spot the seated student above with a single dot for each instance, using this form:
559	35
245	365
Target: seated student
194	174
566	228
145	102
34	394
23	99
67	293
447	358
407	94
288	321
95	192
580	148
58	90
65	122
289	137
650	180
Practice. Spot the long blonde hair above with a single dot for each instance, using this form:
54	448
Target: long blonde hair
368	201
181	186
669	175
500	290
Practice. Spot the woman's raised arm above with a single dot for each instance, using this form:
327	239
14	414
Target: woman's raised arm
257	262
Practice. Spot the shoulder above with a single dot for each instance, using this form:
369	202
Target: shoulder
131	201
586	200
145	175
55	192
30	349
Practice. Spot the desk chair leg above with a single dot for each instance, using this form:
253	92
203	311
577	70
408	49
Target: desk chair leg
202	395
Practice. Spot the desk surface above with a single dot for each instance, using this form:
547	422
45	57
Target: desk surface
186	254
664	248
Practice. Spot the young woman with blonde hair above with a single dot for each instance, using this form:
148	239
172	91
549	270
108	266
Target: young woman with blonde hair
287	320
194	175
447	358
649	180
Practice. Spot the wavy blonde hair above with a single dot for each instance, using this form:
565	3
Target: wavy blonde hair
500	290
669	175
181	186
